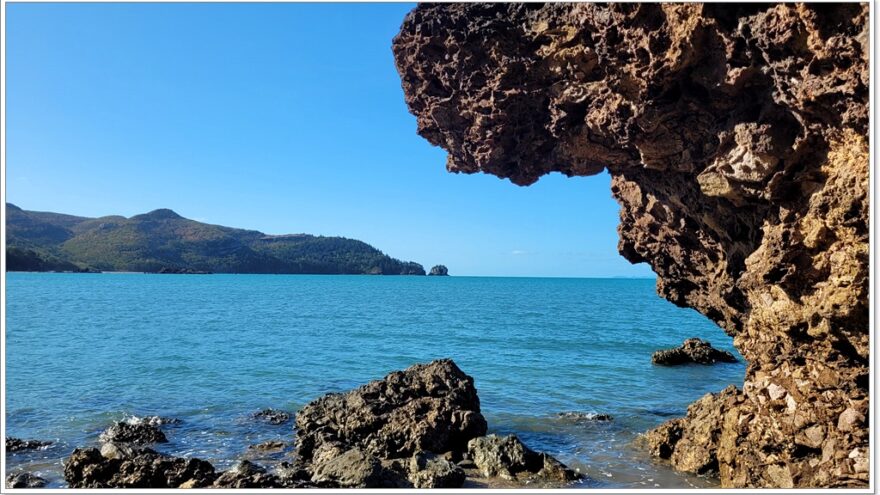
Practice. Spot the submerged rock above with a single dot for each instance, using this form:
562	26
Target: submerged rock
582	417
153	420
17	444
268	446
135	433
508	458
273	416
24	480
136	468
692	351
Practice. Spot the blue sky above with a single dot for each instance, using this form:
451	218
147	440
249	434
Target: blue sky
278	117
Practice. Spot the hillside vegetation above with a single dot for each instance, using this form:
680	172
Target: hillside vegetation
162	240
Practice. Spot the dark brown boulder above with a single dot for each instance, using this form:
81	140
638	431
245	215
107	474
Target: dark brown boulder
692	351
139	433
136	468
16	444
427	407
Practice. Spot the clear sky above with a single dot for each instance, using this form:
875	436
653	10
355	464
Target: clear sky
282	118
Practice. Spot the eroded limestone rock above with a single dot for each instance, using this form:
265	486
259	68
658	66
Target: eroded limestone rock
737	141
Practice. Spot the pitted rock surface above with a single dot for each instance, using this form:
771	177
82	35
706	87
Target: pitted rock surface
737	141
427	407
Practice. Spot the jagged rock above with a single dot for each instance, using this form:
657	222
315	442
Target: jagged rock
246	474
691	443
692	351
293	475
140	468
508	458
353	468
428	470
135	433
273	416
16	444
431	407
24	480
736	137
439	270
406	430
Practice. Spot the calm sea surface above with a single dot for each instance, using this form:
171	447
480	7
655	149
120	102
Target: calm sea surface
83	350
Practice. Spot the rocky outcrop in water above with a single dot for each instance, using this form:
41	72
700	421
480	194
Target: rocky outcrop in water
17	444
408	429
420	427
584	417
153	420
272	416
431	408
439	270
135	468
24	480
736	137
136	433
692	351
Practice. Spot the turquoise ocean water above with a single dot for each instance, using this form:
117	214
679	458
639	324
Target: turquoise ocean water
83	350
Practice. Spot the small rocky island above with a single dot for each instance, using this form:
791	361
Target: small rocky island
439	270
697	351
417	428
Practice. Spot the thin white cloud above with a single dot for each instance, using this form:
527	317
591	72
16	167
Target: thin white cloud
519	252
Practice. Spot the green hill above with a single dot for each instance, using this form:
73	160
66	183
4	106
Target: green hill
162	240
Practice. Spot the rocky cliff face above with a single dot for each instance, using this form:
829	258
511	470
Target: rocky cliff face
736	137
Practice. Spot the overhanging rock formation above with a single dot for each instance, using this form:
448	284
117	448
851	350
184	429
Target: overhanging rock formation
736	137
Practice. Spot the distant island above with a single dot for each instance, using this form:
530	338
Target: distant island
162	241
439	270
